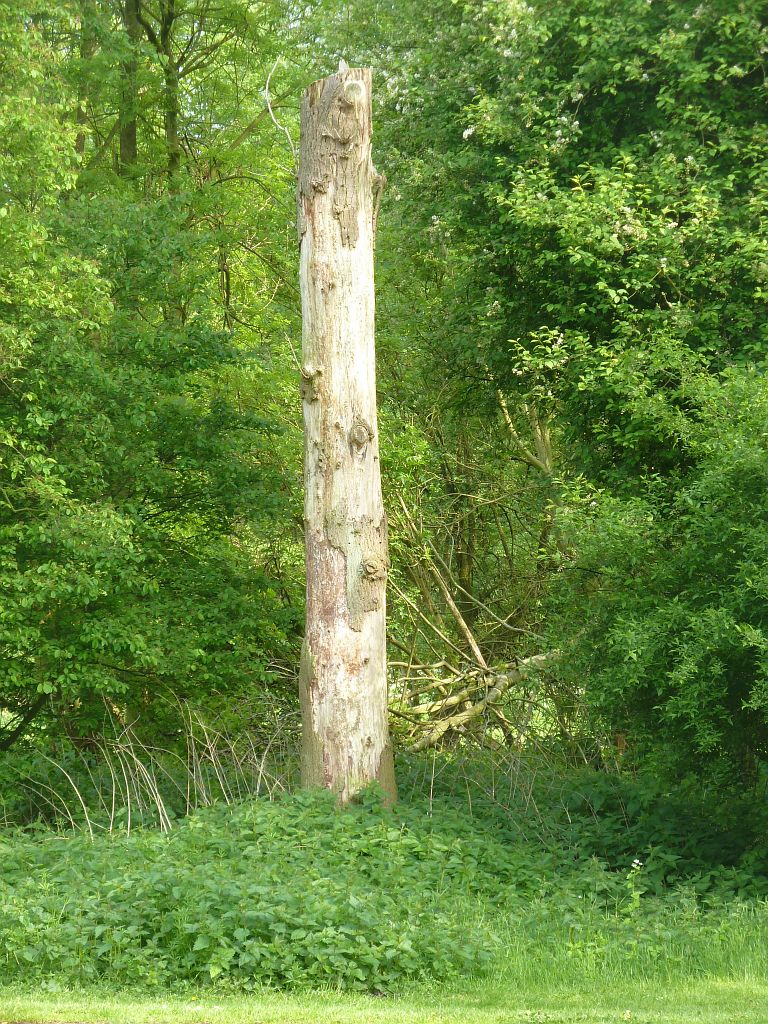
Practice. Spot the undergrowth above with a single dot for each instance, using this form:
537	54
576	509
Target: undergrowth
285	893
295	893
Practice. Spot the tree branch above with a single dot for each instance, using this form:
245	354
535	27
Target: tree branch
9	737
499	688
151	34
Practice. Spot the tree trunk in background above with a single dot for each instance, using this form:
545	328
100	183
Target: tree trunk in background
345	737
171	89
172	142
128	100
128	143
88	46
162	40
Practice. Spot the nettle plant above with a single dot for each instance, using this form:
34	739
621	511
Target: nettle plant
290	893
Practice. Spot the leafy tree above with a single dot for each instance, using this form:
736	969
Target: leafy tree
674	645
144	445
587	188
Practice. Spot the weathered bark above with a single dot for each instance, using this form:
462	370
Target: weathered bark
345	743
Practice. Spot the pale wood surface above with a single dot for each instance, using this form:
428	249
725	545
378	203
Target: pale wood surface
345	741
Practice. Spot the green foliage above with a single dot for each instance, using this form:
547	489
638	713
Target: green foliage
572	270
575	934
675	834
144	446
289	894
583	182
297	893
675	586
708	838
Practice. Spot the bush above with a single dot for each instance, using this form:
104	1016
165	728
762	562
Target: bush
288	894
679	833
297	893
670	637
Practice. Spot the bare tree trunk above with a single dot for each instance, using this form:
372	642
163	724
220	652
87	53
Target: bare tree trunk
345	741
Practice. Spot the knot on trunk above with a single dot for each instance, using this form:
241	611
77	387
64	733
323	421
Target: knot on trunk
360	435
352	92
375	567
310	383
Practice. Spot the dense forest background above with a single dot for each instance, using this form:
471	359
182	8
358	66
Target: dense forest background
572	285
572	275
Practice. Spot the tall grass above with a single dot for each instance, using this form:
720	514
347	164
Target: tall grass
120	780
670	941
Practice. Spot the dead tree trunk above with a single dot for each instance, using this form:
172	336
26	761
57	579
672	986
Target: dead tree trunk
345	738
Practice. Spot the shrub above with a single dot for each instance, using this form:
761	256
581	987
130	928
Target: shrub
289	893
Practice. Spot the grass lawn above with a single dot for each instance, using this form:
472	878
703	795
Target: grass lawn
705	1001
